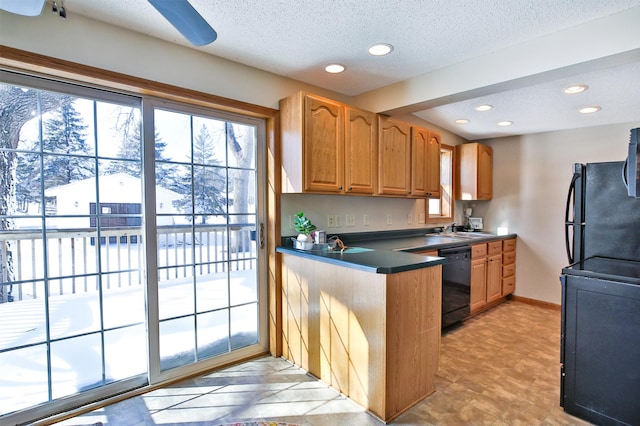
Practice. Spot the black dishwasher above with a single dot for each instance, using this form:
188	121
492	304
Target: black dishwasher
456	284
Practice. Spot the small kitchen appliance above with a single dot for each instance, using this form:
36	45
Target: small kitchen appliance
467	214
476	223
600	332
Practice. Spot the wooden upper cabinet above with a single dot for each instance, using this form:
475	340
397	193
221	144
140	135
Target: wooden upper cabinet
419	162
328	147
312	138
474	171
394	157
485	172
425	163
323	146
360	153
433	165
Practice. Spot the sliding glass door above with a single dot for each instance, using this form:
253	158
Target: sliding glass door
129	243
207	234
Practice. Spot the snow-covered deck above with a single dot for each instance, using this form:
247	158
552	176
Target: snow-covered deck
100	336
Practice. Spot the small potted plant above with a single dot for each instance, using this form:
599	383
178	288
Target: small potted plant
305	228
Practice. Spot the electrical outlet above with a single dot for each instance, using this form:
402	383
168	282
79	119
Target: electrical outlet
409	219
331	221
389	219
339	221
351	220
421	218
290	221
365	220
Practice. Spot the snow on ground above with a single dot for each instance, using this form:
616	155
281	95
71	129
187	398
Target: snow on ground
76	361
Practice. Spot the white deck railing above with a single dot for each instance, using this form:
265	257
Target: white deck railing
76	257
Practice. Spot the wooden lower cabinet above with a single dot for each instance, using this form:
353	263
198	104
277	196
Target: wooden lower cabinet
373	337
492	272
508	266
478	277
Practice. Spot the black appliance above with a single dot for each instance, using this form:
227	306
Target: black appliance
600	328
456	284
600	349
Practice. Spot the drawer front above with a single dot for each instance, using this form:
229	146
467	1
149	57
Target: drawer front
427	253
509	245
508	285
494	248
508	270
508	257
478	250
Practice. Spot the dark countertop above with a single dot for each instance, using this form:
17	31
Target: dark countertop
434	242
389	253
370	260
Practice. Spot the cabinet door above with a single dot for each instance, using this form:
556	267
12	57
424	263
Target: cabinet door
494	277
474	172
394	157
433	165
485	172
419	161
478	283
323	150
361	155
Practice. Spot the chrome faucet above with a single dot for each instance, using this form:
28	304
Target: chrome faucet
449	228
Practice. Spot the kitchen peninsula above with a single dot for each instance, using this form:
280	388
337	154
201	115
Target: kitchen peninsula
370	331
367	321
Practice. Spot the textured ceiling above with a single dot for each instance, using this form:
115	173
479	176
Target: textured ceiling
297	38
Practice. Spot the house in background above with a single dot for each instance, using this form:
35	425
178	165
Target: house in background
120	195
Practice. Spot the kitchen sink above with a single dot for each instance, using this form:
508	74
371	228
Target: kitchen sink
454	237
441	239
473	234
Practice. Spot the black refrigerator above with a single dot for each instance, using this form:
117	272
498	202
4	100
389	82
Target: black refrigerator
600	327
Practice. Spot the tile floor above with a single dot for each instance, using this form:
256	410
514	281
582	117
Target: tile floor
498	368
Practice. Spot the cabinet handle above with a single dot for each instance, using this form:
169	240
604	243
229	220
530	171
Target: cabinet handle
339	188
350	189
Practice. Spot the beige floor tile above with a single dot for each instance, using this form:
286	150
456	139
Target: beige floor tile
499	368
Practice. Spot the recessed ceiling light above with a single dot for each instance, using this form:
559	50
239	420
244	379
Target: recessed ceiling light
505	123
334	68
578	88
380	49
462	121
590	110
484	107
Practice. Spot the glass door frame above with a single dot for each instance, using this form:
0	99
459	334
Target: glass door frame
156	375
153	376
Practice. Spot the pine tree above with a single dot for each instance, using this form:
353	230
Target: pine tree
129	152
131	148
208	181
67	156
28	180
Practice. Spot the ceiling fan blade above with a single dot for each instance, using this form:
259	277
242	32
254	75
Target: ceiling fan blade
186	20
23	7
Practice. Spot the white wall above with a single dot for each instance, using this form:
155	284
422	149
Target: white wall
531	177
